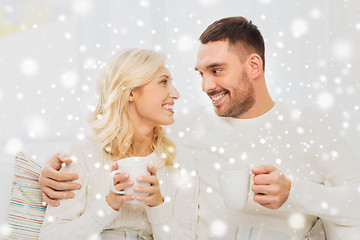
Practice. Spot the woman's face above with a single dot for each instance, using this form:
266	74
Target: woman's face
153	103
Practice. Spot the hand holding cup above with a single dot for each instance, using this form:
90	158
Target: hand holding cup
133	180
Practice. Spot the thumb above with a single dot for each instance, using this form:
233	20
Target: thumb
58	159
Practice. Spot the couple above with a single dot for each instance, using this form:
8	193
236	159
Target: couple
292	152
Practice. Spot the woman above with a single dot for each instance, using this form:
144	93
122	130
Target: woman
136	96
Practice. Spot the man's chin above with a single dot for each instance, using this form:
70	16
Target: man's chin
220	112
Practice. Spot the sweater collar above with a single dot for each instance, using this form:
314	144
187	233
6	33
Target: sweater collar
260	119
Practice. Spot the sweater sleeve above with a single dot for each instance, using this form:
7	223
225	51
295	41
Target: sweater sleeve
336	201
73	220
177	217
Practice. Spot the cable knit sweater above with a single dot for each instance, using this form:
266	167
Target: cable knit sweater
325	174
88	216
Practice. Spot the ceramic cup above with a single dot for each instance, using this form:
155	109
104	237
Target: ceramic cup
135	167
234	183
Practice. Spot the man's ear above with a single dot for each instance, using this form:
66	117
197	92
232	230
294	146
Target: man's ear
254	66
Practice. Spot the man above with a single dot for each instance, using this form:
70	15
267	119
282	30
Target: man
292	152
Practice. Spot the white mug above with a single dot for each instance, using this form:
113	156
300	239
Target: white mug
234	182
135	167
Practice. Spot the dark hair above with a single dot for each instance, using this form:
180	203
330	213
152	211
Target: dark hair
237	31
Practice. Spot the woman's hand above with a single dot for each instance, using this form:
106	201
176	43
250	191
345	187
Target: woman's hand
115	200
155	198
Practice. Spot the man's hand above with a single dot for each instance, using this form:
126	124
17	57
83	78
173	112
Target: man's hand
271	186
56	185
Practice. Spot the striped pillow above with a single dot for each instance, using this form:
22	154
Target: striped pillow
26	211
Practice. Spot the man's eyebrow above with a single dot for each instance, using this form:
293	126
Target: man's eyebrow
213	65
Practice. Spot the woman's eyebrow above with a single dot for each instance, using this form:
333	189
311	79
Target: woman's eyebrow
164	76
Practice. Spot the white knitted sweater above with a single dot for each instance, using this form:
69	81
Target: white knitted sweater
325	173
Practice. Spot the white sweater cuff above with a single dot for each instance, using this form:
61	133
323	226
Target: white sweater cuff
102	213
298	195
160	214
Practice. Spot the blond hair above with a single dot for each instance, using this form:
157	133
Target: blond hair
110	122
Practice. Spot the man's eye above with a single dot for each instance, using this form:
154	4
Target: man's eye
216	71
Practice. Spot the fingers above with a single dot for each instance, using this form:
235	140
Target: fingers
151	200
121	186
262	179
153	180
266	199
266	189
50	201
49	172
56	160
128	197
116	200
114	166
271	202
263	169
271	186
61	186
149	190
152	169
119	177
51	193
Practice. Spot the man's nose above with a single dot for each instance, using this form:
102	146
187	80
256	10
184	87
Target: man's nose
207	84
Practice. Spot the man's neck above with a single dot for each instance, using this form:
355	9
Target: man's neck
260	107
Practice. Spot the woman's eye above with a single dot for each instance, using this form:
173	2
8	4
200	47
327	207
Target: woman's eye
164	82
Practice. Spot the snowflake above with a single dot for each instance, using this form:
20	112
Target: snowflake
36	126
185	43
342	50
315	13
325	100
299	27
29	67
209	3
5	230
357	26
166	228
82	7
13	146
140	23
218	228
69	79
296	221
93	236
100	213
324	205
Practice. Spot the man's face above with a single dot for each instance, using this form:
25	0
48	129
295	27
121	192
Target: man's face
224	79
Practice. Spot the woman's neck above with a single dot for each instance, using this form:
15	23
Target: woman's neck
142	142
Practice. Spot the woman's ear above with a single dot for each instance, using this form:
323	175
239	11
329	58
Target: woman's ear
131	96
254	65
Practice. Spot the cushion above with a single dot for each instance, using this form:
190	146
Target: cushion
26	209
